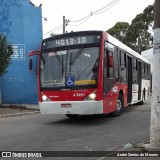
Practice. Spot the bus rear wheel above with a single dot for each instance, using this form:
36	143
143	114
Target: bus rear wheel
120	106
72	115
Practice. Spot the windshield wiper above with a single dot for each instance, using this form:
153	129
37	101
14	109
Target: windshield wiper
74	59
80	74
59	60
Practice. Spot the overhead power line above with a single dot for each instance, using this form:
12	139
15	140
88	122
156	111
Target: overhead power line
86	18
79	23
54	29
108	6
99	11
81	18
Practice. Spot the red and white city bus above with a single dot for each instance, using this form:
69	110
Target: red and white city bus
90	72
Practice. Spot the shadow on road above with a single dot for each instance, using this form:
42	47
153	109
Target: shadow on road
139	108
85	120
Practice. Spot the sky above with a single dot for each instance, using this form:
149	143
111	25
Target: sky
75	10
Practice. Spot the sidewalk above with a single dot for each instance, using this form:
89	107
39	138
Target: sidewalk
17	110
142	151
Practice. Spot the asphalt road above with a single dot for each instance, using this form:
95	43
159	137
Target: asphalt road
58	133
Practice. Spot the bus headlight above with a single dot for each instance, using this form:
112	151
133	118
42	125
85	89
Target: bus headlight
45	98
91	96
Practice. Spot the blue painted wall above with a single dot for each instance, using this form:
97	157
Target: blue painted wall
21	22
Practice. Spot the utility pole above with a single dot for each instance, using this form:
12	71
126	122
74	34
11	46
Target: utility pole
64	24
155	103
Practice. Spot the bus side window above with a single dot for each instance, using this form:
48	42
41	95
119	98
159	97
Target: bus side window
116	64
105	64
123	74
134	70
110	65
143	71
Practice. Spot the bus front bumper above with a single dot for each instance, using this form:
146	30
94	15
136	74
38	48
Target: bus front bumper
71	107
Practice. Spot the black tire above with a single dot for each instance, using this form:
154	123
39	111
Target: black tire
120	105
72	115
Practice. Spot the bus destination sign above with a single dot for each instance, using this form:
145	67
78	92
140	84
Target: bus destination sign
68	41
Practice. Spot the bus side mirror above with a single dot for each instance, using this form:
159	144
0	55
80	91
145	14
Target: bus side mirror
33	61
30	64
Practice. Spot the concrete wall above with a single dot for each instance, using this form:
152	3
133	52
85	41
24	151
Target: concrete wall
21	22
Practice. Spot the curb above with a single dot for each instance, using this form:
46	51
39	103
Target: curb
18	114
18	107
114	150
129	147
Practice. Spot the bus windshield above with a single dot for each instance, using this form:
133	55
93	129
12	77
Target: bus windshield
69	68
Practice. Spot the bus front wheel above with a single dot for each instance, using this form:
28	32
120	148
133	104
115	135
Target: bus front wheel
120	105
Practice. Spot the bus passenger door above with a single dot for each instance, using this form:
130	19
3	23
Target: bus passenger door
129	80
108	80
108	71
139	80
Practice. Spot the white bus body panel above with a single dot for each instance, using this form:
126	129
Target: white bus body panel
77	107
145	84
135	88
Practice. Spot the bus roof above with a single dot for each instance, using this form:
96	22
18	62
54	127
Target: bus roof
78	33
125	48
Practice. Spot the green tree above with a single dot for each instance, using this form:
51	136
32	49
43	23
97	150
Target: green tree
140	31
137	35
119	31
5	54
